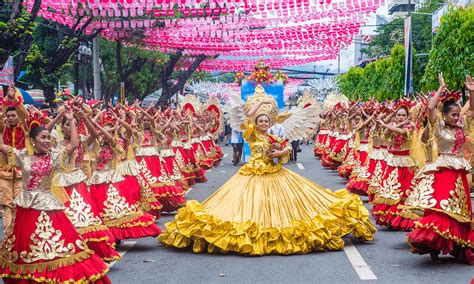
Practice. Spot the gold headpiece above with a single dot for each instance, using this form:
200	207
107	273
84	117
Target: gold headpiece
271	110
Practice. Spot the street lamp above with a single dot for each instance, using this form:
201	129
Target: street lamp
83	58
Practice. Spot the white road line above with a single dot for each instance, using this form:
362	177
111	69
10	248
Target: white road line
225	155
359	264
209	171
188	191
300	166
223	172
122	250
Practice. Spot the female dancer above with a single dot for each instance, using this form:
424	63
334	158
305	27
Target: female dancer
41	244
358	182
118	210
446	225
265	208
81	208
170	195
399	172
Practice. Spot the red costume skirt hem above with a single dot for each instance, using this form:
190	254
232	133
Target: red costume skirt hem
439	232
141	227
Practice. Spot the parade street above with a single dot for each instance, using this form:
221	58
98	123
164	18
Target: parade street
387	259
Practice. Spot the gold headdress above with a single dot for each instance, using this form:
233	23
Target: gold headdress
271	109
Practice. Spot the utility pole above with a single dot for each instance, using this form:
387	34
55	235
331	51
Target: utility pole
408	52
96	68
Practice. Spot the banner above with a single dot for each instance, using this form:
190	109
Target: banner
408	57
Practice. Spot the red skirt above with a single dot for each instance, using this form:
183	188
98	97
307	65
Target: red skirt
436	231
185	165
326	161
446	225
377	174
201	159
392	192
44	246
85	217
174	172
357	183
216	149
199	172
320	144
209	151
148	202
345	169
340	151
119	213
168	193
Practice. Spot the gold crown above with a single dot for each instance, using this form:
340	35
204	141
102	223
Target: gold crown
271	109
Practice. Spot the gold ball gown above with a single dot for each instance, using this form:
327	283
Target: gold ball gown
268	209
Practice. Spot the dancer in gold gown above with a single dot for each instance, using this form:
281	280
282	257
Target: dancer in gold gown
265	208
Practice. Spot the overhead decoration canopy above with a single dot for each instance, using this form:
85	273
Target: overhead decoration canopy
240	32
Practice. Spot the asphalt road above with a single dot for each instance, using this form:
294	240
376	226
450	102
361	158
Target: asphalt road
387	259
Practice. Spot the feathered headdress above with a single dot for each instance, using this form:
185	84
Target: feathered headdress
35	119
451	96
404	103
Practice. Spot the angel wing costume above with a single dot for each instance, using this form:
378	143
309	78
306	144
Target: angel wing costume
266	208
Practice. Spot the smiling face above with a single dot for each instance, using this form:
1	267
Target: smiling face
452	115
42	142
401	115
262	122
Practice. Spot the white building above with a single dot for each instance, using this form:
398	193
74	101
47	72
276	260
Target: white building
366	33
400	8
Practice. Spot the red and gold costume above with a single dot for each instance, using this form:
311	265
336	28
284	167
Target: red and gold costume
170	195
395	182
442	194
81	208
116	205
42	244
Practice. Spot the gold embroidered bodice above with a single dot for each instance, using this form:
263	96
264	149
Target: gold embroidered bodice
450	142
38	173
260	161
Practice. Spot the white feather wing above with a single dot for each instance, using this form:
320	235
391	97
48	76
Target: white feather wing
301	123
234	112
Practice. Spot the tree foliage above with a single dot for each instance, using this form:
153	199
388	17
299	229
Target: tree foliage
381	79
453	50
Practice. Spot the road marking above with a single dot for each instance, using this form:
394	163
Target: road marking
300	166
122	250
359	264
188	191
225	155
209	171
223	172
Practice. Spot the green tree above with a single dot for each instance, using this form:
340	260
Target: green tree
381	79
392	34
453	50
16	31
